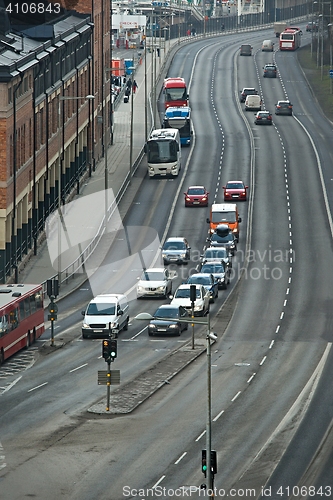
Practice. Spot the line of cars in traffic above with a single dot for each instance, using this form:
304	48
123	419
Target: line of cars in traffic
250	96
253	102
193	297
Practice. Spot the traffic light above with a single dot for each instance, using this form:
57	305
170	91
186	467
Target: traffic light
203	462
113	348
193	293
213	462
106	349
109	349
53	309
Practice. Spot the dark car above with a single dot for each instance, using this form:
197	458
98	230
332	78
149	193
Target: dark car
247	91
312	26
270	71
283	108
219	270
208	281
263	118
228	241
217	253
176	250
166	323
196	196
246	50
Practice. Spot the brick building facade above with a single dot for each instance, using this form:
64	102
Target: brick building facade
49	139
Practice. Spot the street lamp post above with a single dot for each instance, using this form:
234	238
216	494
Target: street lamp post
61	152
330	41
209	336
320	15
322	48
312	29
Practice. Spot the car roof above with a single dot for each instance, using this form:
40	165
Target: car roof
196	187
176	238
241	182
284	101
216	249
199	274
154	269
185	286
213	263
107	296
168	306
248	88
223	207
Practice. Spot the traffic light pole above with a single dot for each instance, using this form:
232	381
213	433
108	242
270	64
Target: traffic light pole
108	386
52	332
209	417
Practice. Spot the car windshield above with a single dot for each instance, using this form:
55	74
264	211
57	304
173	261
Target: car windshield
152	276
219	253
199	280
222	239
224	216
234	185
284	104
101	309
167	312
195	191
212	268
174	245
184	293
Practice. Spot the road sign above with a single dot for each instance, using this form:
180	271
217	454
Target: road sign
331	73
103	377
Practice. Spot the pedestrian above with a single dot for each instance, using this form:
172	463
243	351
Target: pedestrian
129	84
188	32
134	86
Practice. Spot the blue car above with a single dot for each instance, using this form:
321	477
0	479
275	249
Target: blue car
208	282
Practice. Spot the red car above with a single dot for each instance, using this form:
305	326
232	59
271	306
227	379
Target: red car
235	190
196	196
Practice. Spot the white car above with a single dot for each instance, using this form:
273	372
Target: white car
155	282
201	303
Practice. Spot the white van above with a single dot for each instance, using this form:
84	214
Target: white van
267	46
106	314
253	102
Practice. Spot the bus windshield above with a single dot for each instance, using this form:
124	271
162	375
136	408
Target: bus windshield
176	94
162	151
287	36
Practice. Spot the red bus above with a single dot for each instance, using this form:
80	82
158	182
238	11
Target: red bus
290	39
21	317
175	92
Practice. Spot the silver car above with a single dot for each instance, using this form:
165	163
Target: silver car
176	250
154	282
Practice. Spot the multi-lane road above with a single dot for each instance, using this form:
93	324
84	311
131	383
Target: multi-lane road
271	367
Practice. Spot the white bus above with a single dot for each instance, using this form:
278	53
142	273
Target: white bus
164	152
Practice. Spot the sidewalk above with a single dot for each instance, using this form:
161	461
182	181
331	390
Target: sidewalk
39	268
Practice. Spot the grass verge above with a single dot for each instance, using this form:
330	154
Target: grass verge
321	88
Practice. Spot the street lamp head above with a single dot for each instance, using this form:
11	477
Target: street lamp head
212	336
90	96
144	316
